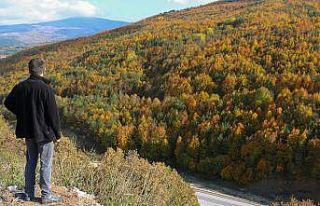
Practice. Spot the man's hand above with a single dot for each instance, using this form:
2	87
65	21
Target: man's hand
59	140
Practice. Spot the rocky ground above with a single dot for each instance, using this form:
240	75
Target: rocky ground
71	197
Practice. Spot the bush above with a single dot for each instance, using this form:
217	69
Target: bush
121	179
295	202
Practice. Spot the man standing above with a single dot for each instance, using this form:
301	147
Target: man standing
33	103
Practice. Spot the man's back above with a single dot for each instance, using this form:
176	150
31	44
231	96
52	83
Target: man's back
33	103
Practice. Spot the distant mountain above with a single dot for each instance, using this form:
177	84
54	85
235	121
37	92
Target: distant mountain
24	35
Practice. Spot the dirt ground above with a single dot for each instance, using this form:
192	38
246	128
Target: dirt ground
71	197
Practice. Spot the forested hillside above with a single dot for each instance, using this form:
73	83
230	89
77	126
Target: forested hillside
229	89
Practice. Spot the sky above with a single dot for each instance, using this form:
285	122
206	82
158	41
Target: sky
32	11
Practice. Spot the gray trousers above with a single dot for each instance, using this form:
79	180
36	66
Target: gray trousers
45	151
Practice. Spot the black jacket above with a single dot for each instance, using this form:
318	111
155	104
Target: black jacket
33	103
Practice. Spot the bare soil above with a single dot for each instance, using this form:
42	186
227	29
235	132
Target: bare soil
70	197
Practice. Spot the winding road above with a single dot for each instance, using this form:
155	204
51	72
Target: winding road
213	198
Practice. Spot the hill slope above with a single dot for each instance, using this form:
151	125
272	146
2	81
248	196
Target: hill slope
111	179
229	89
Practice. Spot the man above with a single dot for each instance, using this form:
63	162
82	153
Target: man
33	103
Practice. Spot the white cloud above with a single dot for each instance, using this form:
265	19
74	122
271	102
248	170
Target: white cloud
28	11
179	1
190	1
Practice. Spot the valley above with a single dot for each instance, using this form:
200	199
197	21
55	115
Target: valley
228	90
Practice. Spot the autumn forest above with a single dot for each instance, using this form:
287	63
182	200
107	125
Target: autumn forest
229	89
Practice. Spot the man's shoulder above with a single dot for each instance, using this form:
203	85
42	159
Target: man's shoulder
20	84
38	84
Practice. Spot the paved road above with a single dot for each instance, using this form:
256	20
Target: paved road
213	198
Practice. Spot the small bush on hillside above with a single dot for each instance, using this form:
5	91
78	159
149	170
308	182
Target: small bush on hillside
121	179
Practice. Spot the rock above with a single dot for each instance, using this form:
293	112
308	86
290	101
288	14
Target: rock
82	194
13	188
2	199
95	164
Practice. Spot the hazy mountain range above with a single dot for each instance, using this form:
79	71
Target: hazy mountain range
16	37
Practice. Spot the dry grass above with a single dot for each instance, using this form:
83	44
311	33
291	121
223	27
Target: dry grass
11	158
295	202
118	179
121	179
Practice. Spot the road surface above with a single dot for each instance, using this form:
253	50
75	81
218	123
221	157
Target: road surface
213	198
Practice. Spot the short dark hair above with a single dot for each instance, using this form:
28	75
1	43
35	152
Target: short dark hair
36	66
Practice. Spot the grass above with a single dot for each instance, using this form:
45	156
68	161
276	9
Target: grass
118	178
295	202
11	161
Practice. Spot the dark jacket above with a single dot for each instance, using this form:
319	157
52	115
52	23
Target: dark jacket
33	103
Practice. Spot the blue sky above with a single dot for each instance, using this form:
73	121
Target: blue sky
31	11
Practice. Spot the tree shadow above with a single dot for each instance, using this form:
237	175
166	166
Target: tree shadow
82	141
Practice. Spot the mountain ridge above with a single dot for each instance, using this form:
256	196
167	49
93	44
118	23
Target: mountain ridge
20	36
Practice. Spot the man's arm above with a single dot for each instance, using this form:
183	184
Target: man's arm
53	114
11	102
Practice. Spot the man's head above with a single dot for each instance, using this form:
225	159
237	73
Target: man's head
37	66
